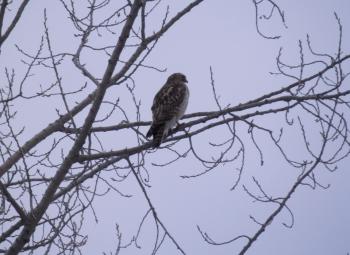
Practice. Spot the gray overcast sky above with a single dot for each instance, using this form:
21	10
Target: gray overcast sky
220	34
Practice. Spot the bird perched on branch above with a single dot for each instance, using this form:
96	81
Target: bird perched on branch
168	107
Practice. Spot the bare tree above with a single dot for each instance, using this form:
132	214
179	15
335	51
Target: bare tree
50	180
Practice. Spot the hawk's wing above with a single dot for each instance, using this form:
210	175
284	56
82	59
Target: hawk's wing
167	106
168	101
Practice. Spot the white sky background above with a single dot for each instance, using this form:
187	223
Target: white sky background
220	34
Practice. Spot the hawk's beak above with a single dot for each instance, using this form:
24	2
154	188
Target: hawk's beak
186	80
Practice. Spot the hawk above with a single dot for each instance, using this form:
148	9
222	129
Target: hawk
168	107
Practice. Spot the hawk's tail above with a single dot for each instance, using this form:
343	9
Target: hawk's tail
150	131
157	131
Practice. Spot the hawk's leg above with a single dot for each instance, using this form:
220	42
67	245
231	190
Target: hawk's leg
177	128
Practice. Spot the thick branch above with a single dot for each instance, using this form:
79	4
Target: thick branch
207	116
214	115
2	14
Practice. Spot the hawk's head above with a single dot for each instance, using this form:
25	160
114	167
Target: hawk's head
177	77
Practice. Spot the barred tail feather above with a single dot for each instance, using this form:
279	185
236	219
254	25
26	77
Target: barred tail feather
150	131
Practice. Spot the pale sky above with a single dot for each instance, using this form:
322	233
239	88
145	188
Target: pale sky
220	34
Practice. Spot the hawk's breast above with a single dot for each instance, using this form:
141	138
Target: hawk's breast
184	103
